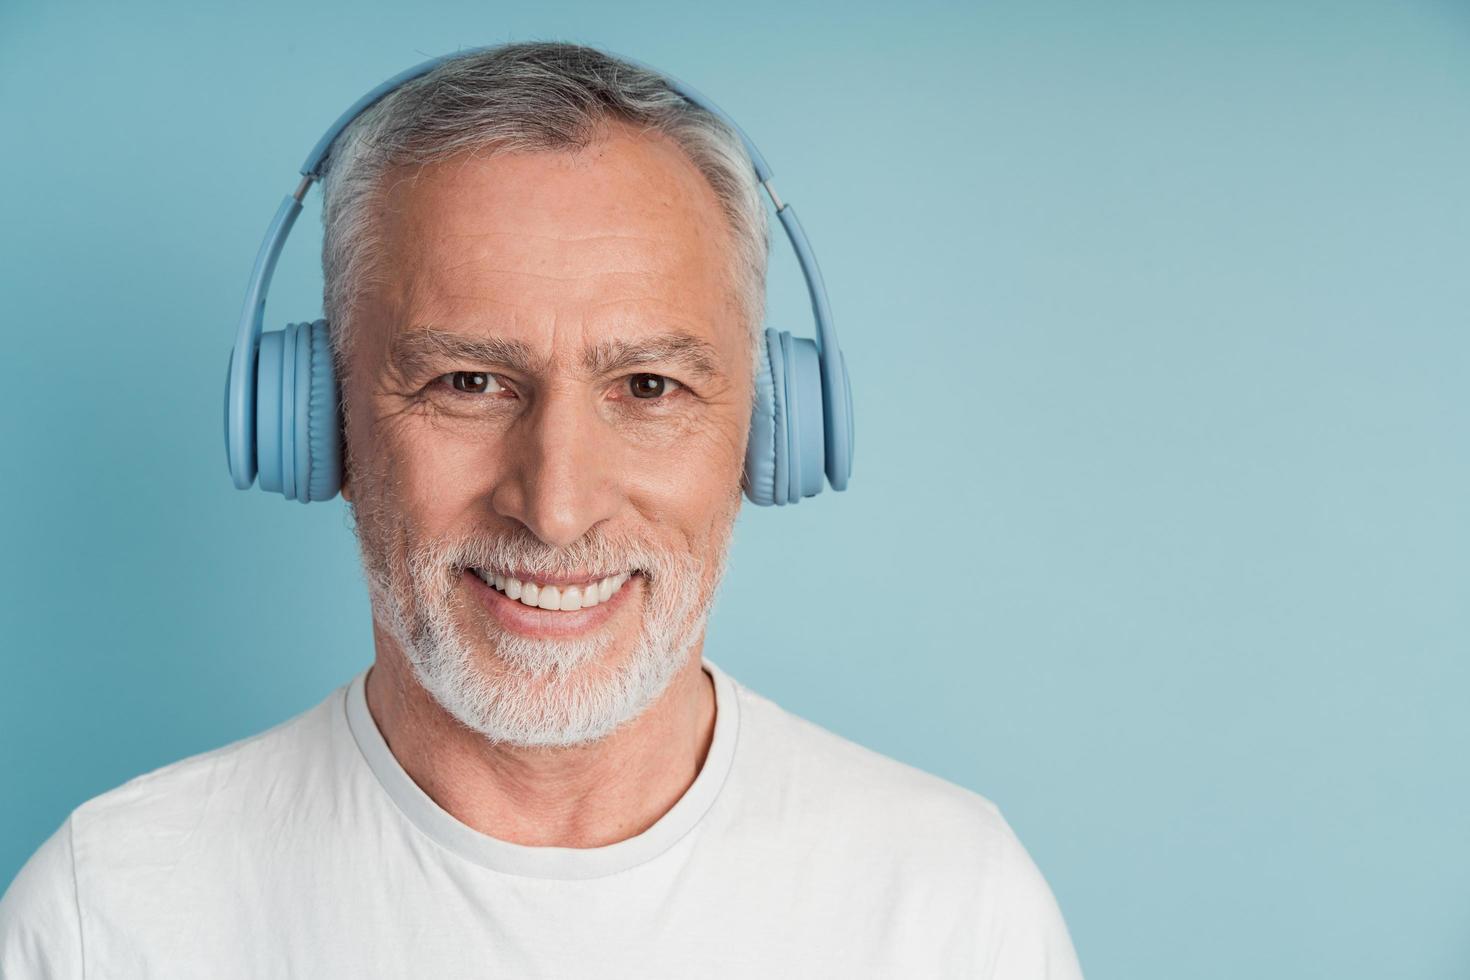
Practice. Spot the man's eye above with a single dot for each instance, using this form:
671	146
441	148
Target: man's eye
471	382
651	385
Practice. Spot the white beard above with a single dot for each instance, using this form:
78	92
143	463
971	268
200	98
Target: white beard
547	692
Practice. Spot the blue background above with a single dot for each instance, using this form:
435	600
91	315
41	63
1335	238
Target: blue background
1158	532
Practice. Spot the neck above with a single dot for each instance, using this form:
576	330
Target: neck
575	796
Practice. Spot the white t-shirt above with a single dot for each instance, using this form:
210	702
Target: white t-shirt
307	851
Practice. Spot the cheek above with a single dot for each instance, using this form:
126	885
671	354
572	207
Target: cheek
427	473
441	478
690	501
680	477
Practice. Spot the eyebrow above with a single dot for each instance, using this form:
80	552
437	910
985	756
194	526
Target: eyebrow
415	351
693	354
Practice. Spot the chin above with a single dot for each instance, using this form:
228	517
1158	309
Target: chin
540	691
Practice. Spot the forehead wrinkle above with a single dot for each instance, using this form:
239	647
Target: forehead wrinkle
559	238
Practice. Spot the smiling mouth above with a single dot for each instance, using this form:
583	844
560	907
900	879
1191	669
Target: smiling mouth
566	598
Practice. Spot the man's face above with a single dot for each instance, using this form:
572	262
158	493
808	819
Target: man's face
548	380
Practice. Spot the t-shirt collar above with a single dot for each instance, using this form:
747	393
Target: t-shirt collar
549	862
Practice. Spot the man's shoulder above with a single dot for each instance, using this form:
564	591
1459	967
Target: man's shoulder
159	809
840	782
115	853
921	847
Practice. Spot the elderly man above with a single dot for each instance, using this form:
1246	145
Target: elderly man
544	279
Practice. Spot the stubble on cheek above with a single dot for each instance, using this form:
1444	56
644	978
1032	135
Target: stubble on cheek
386	533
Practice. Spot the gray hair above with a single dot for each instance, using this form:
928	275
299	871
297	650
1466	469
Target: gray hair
523	97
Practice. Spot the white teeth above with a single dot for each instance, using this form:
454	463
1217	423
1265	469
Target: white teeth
566	599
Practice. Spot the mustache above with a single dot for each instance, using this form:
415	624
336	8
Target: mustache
596	555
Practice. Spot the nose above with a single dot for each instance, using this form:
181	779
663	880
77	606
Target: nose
559	472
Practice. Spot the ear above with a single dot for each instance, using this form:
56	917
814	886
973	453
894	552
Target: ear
344	485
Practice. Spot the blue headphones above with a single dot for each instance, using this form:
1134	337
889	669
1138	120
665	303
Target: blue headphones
281	408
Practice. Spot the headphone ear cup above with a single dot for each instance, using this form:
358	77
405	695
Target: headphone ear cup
805	423
318	442
269	381
297	428
765	447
